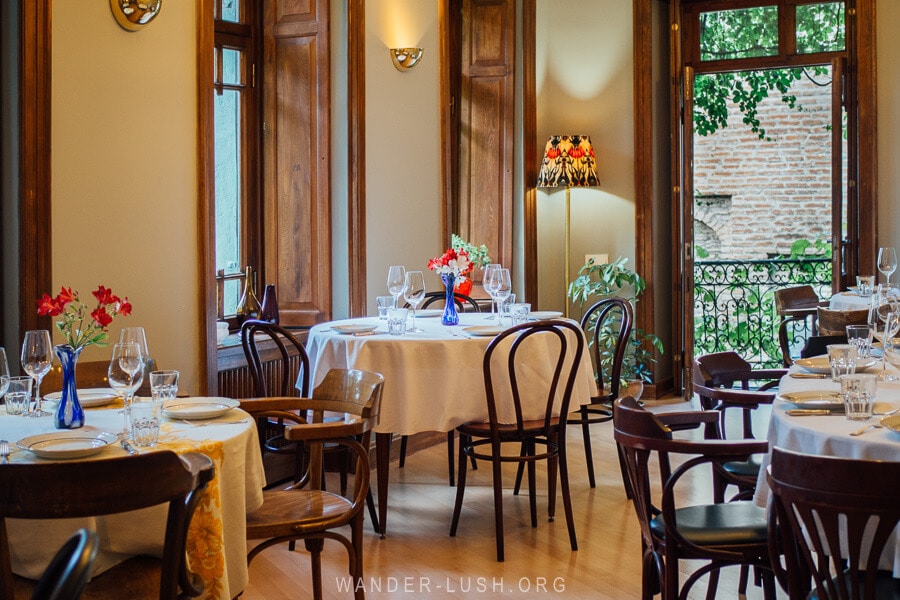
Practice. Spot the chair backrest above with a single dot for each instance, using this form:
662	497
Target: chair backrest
563	346
275	377
834	322
58	490
463	303
817	345
69	570
609	318
793	298
92	374
825	502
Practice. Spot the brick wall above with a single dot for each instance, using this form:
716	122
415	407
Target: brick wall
766	194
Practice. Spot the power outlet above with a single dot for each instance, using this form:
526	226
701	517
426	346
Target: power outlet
599	259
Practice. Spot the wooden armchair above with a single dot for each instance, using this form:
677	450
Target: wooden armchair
795	305
834	322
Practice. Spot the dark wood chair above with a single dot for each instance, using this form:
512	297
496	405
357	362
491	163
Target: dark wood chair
834	322
487	440
69	570
724	534
819	503
610	318
724	380
93	374
69	489
463	303
795	305
817	345
305	511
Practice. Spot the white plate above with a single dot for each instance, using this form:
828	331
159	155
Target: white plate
77	443
429	312
484	330
820	364
544	314
821	399
892	422
88	397
198	408
351	329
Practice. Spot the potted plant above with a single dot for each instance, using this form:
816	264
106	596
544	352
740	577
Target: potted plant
477	254
598	281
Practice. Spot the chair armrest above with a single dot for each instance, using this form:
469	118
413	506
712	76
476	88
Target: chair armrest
684	420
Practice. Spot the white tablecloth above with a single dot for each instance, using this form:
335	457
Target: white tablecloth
853	301
830	436
237	488
433	381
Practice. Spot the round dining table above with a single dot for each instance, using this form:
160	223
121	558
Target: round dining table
232	443
433	379
829	434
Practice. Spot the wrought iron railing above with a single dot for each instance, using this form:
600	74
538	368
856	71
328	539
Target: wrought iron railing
734	306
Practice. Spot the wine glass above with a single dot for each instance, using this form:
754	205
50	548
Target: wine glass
126	372
491	283
37	357
891	328
414	292
137	336
4	372
396	281
887	263
503	288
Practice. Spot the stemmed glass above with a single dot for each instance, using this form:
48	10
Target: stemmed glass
414	292
37	357
4	372
887	263
503	288
126	372
491	283
136	335
891	328
396	281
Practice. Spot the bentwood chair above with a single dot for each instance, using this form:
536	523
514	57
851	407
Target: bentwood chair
834	322
71	489
820	503
305	511
514	434
69	570
463	303
795	306
724	534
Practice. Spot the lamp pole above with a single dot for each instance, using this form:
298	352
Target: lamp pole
568	237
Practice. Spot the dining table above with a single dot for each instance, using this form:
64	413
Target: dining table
829	433
851	300
217	547
433	379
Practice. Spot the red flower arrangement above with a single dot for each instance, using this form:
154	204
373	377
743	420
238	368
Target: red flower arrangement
453	262
79	327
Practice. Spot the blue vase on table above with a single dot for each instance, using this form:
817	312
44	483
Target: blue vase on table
450	316
69	413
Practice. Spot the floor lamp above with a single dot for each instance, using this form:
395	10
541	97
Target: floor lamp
568	162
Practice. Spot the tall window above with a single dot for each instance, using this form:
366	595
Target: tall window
236	148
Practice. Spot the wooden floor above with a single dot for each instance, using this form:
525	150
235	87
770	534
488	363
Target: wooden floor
418	559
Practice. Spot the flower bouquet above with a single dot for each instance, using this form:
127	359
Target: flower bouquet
477	254
453	265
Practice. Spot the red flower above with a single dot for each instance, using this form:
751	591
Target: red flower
124	307
65	296
105	296
101	317
48	306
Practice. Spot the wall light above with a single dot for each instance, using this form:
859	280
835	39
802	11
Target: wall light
131	15
406	58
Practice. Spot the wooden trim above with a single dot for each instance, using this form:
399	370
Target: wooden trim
448	115
867	140
676	216
206	208
35	243
356	154
643	159
530	150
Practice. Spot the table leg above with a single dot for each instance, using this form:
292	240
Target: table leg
382	466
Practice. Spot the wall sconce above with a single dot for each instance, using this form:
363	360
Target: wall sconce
131	15
406	58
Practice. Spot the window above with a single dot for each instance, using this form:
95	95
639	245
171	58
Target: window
235	124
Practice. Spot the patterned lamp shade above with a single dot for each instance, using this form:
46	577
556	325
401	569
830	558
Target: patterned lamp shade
568	162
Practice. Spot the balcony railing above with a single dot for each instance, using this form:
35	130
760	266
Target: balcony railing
734	307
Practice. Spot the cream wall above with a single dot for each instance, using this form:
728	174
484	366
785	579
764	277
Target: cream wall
124	171
585	86
888	111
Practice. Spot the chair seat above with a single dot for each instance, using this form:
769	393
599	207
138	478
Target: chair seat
886	587
286	512
744	468
508	431
727	524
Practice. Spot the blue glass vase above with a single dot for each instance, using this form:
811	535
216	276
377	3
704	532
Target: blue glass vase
69	414
450	317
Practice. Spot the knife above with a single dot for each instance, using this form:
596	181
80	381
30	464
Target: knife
812	412
809	375
128	447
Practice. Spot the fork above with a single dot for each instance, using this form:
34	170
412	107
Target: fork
4	450
866	428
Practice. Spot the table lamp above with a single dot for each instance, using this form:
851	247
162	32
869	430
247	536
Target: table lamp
568	162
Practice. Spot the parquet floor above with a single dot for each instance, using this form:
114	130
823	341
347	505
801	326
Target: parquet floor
418	559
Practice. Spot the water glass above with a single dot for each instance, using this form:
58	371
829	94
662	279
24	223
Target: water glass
144	415
858	392
384	303
861	336
864	285
520	312
18	395
843	360
504	307
396	319
164	384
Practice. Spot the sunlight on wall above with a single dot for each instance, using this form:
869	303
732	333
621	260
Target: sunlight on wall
402	23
